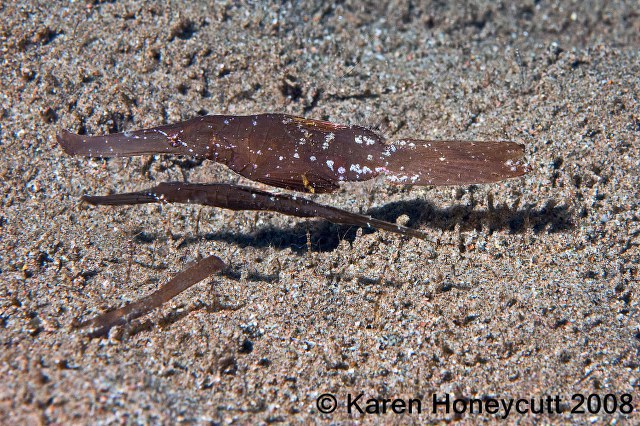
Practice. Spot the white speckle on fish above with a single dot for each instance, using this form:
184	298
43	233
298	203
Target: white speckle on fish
330	164
359	170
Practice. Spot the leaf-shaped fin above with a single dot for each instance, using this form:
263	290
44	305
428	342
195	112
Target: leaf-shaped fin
421	162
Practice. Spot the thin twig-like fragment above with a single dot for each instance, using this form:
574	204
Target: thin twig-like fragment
101	324
236	197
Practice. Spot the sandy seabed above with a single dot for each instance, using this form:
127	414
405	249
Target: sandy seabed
525	290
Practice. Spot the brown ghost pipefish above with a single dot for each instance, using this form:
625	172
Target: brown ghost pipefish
288	152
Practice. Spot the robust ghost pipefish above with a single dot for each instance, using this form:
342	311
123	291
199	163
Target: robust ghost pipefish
288	152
